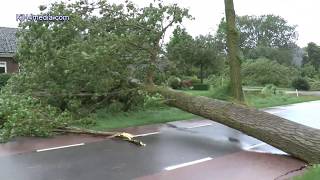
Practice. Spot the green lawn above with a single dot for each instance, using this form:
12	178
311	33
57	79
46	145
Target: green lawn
312	173
253	99
270	101
107	120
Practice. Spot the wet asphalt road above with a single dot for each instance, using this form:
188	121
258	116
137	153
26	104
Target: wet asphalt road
306	113
118	160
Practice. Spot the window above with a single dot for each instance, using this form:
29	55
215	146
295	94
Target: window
3	67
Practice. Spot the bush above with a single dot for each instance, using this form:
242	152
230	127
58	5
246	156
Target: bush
174	82
222	92
4	79
314	83
217	80
300	84
201	87
269	89
264	71
195	80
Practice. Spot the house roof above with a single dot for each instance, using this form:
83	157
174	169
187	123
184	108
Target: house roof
8	43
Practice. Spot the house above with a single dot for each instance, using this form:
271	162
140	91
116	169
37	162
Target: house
8	47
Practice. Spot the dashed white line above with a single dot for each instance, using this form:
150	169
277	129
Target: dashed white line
146	134
59	147
203	125
187	164
254	146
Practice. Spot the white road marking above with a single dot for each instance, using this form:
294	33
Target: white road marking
146	134
59	147
274	111
187	164
203	125
254	146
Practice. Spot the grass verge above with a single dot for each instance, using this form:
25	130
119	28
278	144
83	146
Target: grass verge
313	173
106	120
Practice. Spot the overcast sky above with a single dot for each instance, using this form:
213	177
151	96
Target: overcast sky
207	13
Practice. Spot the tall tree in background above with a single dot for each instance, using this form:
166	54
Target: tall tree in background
179	52
194	56
151	23
206	57
313	57
233	52
268	31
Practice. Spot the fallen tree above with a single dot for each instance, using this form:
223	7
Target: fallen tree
295	139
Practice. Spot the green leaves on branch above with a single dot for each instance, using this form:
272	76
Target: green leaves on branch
83	64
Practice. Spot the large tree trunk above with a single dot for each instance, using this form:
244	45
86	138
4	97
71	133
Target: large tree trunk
298	140
233	52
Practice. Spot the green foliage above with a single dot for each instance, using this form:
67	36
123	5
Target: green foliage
180	52
23	115
269	89
195	80
264	71
222	92
201	87
308	70
281	55
313	57
93	54
300	84
312	173
314	84
260	31
217	80
174	82
84	64
193	56
4	79
153	101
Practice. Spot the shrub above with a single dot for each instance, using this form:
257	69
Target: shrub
201	87
264	71
217	80
174	82
195	80
222	92
269	89
300	84
4	79
314	83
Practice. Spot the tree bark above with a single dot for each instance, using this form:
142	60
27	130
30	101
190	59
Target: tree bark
298	140
233	52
